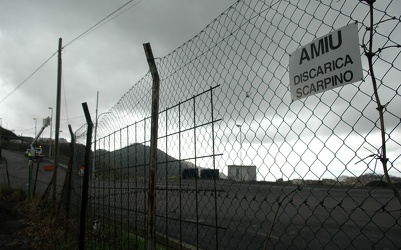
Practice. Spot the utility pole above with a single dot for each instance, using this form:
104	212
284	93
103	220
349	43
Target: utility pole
50	140
56	140
96	124
1	128
36	120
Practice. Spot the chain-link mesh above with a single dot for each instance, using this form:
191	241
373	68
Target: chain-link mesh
239	164
71	195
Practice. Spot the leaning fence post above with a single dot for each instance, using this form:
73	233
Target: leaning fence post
68	177
66	192
29	178
85	184
8	176
153	148
36	179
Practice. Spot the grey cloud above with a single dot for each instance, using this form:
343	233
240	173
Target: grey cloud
109	59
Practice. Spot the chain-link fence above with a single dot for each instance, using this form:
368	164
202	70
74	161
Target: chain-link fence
241	166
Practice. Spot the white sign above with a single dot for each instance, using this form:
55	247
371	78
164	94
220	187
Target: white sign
326	63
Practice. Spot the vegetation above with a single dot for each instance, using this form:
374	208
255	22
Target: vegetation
11	194
37	223
45	232
115	235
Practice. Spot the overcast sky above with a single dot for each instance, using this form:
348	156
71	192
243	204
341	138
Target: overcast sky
108	59
245	52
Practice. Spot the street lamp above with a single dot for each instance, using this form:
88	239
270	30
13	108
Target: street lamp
240	143
35	126
94	152
50	140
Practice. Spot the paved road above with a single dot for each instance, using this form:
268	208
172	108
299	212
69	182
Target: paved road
18	172
232	215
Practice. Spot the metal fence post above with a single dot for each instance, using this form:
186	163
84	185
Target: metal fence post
36	179
153	147
66	192
85	185
8	176
29	178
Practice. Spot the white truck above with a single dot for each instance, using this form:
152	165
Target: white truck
36	152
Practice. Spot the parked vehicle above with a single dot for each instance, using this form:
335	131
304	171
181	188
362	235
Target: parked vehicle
36	153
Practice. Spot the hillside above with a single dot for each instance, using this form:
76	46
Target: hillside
7	135
134	160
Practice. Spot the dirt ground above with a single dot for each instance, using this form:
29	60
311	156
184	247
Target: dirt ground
24	226
13	225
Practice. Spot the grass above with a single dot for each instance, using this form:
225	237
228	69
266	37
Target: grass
12	194
47	232
117	239
43	231
115	235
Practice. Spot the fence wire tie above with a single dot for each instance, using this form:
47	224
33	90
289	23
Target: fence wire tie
278	201
383	107
360	207
383	208
371	155
368	1
305	202
340	204
265	199
322	204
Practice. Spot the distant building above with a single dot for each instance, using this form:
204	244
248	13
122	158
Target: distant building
298	181
209	174
241	173
190	174
15	141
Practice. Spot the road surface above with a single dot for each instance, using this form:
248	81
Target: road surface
232	215
235	215
18	173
